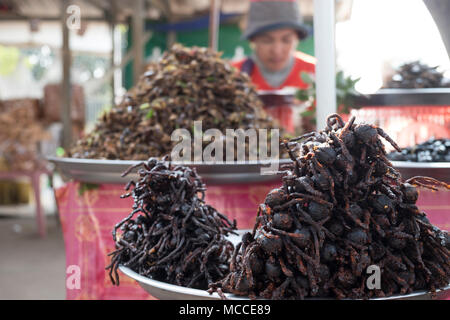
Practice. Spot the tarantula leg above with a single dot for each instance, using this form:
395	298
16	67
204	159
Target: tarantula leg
389	139
347	126
421	263
405	286
312	281
301	266
133	260
194	279
310	197
208	252
344	150
332	120
279	292
286	271
324	171
288	204
428	182
233	257
355	219
267	292
131	168
309	188
316	244
306	135
339	293
301	293
293	157
118	225
300	252
112	269
251	250
362	159
353	260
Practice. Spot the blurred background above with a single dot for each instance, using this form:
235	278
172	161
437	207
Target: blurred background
63	63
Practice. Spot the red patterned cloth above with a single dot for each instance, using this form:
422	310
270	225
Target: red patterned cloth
88	219
408	125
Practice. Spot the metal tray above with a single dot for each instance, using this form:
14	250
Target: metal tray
166	291
406	97
109	171
437	170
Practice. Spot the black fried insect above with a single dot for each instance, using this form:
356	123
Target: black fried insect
171	235
432	150
341	208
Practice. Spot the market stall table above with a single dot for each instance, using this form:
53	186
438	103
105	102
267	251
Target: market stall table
88	215
34	177
409	116
90	209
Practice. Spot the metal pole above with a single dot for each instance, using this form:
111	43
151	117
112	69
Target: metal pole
66	94
138	45
324	49
214	23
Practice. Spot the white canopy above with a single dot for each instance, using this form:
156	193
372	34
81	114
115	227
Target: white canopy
97	37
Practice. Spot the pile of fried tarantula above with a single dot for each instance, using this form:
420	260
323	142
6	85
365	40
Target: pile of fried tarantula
342	207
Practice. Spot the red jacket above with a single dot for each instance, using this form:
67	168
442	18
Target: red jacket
303	62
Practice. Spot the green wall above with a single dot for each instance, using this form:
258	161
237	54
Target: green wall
229	39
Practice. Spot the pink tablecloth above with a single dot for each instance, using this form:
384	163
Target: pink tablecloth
87	220
408	125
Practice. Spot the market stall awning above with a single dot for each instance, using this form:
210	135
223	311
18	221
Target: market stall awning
101	9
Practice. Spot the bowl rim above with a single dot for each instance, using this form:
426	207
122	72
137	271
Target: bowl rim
204	294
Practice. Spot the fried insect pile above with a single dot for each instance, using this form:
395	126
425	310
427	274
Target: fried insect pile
171	235
433	150
341	208
187	85
418	75
20	135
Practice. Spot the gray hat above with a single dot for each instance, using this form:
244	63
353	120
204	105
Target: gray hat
267	15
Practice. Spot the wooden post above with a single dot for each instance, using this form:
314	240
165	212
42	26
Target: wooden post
66	90
112	24
171	37
138	45
40	213
171	34
214	23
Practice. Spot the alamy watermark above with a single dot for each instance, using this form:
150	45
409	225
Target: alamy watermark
73	280
235	145
373	282
73	21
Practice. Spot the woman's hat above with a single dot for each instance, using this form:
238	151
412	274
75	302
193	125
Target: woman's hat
267	15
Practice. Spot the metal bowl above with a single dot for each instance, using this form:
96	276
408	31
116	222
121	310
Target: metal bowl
437	170
166	291
109	171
